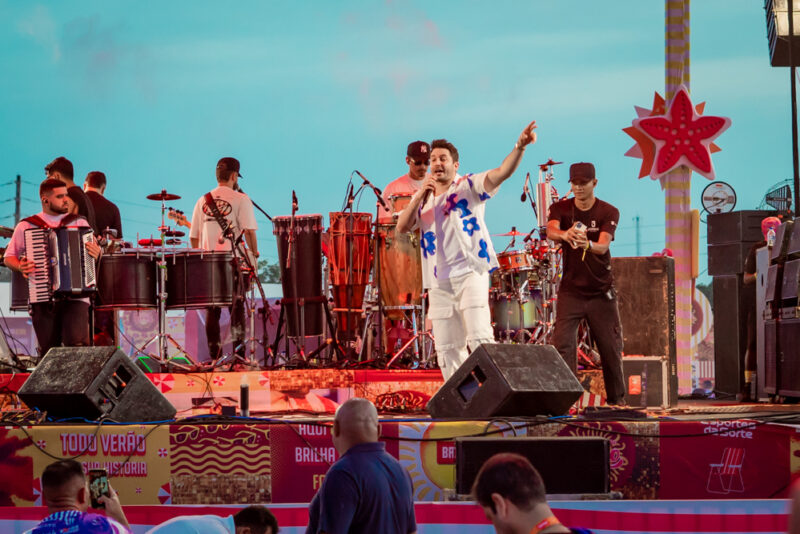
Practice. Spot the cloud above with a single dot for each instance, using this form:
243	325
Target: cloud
41	27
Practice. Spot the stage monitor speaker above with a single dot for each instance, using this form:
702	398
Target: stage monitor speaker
571	465
736	226
508	380
728	258
789	357
732	300
783	237
93	382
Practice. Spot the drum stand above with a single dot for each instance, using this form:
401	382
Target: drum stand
162	338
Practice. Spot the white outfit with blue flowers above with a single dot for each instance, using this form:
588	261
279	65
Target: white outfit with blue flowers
457	257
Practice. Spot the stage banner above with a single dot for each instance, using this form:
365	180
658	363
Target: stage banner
302	454
428	451
633	452
218	464
136	458
726	459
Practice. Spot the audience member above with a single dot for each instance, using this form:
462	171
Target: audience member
65	491
250	520
366	490
512	495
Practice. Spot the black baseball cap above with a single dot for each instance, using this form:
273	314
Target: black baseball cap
419	151
229	164
581	172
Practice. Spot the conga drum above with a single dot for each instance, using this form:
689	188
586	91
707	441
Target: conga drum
350	267
306	265
401	269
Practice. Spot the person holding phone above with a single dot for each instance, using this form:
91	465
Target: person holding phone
586	225
68	494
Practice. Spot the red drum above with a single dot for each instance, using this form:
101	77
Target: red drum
401	269
350	264
305	266
199	279
127	280
514	260
537	249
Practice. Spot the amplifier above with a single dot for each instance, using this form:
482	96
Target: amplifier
728	258
648	382
789	284
783	236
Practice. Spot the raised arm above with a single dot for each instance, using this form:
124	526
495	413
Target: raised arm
497	176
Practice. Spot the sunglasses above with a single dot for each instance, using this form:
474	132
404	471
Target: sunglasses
422	162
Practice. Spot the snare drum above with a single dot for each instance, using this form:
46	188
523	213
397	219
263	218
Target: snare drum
199	279
514	260
127	280
307	268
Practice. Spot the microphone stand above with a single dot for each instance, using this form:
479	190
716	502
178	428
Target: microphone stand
255	204
291	264
375	190
380	322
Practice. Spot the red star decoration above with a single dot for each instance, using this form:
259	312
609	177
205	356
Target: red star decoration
681	137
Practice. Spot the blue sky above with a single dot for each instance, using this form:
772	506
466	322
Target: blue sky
303	92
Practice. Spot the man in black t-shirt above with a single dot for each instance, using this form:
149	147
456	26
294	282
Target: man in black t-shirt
585	226
61	169
106	213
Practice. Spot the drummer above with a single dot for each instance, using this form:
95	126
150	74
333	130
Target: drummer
418	158
206	233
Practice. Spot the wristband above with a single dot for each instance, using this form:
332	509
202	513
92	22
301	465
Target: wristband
519	147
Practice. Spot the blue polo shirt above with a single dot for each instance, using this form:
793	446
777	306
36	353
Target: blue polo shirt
366	490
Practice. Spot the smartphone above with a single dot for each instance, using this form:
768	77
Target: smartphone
98	485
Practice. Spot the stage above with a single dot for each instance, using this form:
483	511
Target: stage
695	451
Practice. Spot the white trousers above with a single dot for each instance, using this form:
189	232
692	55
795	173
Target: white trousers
459	311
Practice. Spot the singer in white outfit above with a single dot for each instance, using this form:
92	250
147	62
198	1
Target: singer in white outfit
237	209
457	252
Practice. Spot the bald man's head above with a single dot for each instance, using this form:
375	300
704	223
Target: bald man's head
356	421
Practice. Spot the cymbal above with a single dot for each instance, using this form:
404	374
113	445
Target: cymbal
174	233
173	241
549	162
5	231
163	195
512	233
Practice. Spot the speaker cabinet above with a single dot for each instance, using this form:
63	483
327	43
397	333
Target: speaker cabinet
736	226
93	382
568	465
508	380
732	300
789	284
728	258
788	357
646	299
783	237
770	369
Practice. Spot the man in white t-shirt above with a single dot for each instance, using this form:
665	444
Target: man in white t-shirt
64	320
418	156
254	519
457	252
206	233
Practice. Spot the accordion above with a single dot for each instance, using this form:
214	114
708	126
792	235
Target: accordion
63	267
